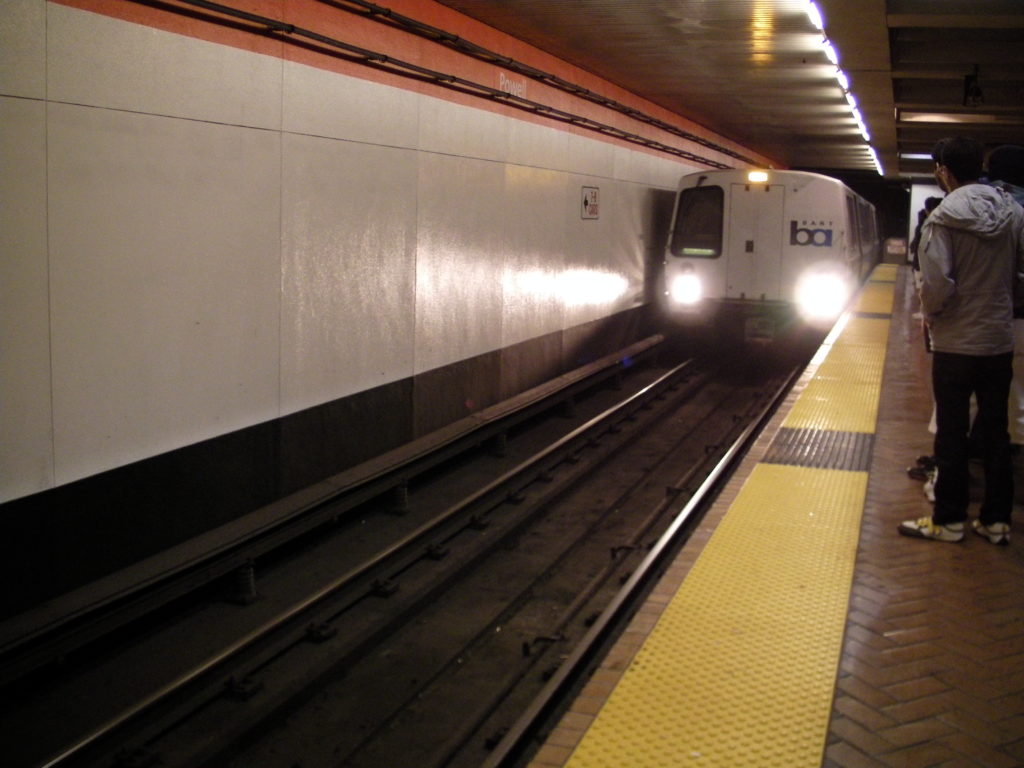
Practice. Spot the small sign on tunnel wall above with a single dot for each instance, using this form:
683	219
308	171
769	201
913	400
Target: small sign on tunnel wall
591	203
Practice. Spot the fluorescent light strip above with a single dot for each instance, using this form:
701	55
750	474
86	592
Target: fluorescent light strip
815	17
814	14
830	51
878	164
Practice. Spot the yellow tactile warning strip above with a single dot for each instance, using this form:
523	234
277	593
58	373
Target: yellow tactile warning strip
740	668
843	394
877	297
884	273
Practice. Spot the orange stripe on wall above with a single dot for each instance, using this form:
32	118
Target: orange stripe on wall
362	31
183	25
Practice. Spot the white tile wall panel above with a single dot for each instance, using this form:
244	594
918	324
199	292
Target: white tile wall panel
591	157
26	429
100	61
348	268
454	129
628	225
646	168
165	283
667	173
205	276
23	48
627	164
601	280
538	146
535	241
320	103
643	167
459	259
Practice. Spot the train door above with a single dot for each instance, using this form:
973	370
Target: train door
852	244
870	248
754	255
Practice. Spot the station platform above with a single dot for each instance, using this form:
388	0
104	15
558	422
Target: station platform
797	628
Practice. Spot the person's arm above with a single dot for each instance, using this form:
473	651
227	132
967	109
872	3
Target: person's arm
937	283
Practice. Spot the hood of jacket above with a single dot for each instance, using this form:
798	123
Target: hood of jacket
980	209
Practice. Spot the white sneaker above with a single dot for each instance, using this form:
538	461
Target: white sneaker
997	533
924	528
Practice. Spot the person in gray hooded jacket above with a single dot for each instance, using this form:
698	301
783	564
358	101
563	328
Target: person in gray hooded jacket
972	260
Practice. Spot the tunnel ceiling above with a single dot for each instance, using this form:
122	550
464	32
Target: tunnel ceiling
755	71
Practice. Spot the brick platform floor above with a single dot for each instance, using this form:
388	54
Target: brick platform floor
932	672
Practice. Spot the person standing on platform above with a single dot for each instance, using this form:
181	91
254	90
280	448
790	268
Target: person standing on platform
1006	172
972	257
930	204
924	467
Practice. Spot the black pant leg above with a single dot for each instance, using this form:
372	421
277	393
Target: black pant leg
993	393
952	384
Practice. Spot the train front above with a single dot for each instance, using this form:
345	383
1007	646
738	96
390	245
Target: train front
755	253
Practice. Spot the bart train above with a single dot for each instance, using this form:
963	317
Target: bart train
754	252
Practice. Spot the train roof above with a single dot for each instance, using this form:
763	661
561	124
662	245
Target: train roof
742	175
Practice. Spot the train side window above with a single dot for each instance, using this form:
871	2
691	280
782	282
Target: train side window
853	229
867	226
698	230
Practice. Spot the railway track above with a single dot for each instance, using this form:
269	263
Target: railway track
424	628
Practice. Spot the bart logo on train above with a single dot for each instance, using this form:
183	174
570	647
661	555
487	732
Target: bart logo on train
821	238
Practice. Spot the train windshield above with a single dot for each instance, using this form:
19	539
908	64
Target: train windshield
698	230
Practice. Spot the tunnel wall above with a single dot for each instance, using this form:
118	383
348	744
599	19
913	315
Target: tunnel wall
231	265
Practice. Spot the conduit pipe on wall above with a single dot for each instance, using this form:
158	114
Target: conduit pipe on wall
440	36
235	18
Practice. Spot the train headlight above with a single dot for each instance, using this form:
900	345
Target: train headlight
686	289
822	295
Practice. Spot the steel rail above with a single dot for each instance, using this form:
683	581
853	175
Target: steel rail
421	533
515	740
35	638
